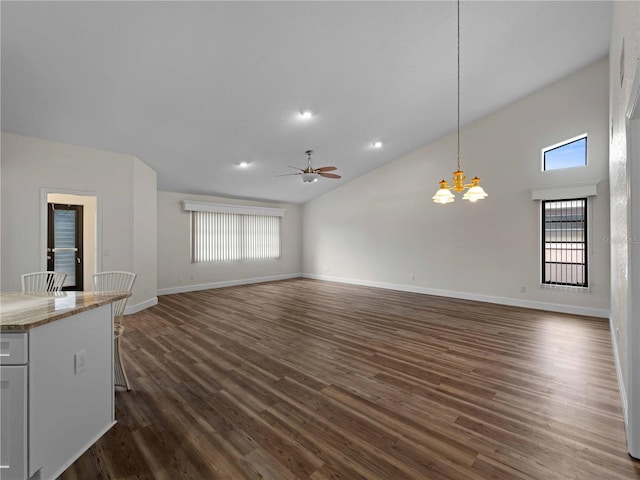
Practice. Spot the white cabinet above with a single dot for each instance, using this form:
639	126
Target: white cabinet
13	434
13	348
13	402
56	395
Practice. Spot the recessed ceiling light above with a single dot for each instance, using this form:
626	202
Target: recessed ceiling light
377	144
244	164
306	115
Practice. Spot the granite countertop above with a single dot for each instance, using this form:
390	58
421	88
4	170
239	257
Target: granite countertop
22	311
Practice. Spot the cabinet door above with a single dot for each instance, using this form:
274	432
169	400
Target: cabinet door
13	422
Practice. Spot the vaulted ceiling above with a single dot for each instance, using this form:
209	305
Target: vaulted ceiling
193	89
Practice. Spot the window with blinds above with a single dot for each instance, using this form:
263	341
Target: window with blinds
222	236
564	242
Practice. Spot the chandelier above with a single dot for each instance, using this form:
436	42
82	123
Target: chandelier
474	190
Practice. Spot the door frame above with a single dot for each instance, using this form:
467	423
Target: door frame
44	192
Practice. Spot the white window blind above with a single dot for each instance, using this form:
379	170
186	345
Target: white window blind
219	236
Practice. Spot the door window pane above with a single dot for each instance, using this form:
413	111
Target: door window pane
65	237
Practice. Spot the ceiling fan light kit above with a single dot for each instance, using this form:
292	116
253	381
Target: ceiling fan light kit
308	177
310	174
475	192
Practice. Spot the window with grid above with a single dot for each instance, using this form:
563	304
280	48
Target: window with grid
564	242
221	237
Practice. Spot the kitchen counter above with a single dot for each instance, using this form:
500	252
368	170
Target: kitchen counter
23	311
56	364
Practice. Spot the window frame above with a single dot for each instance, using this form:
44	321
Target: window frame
543	162
586	241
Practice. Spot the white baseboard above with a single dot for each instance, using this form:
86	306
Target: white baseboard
140	306
227	283
616	357
514	302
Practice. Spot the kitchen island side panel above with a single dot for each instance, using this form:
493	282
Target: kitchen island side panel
71	392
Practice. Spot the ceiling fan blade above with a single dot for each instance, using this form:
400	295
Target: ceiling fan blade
326	169
287	174
329	175
297	168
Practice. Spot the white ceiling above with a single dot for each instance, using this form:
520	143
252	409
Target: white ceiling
194	88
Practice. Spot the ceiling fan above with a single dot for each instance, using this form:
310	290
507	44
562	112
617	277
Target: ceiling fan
311	174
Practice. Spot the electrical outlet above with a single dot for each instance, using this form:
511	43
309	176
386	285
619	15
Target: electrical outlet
79	361
523	289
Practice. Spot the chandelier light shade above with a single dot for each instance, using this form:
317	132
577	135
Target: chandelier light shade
309	177
474	191
444	195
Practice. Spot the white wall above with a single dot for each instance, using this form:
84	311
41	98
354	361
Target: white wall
626	26
30	164
176	273
383	228
145	236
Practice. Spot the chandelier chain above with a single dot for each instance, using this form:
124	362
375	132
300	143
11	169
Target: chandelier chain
474	191
458	151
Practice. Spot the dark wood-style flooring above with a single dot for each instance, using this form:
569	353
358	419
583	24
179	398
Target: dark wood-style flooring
304	379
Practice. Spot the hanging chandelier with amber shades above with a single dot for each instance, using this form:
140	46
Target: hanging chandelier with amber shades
474	191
